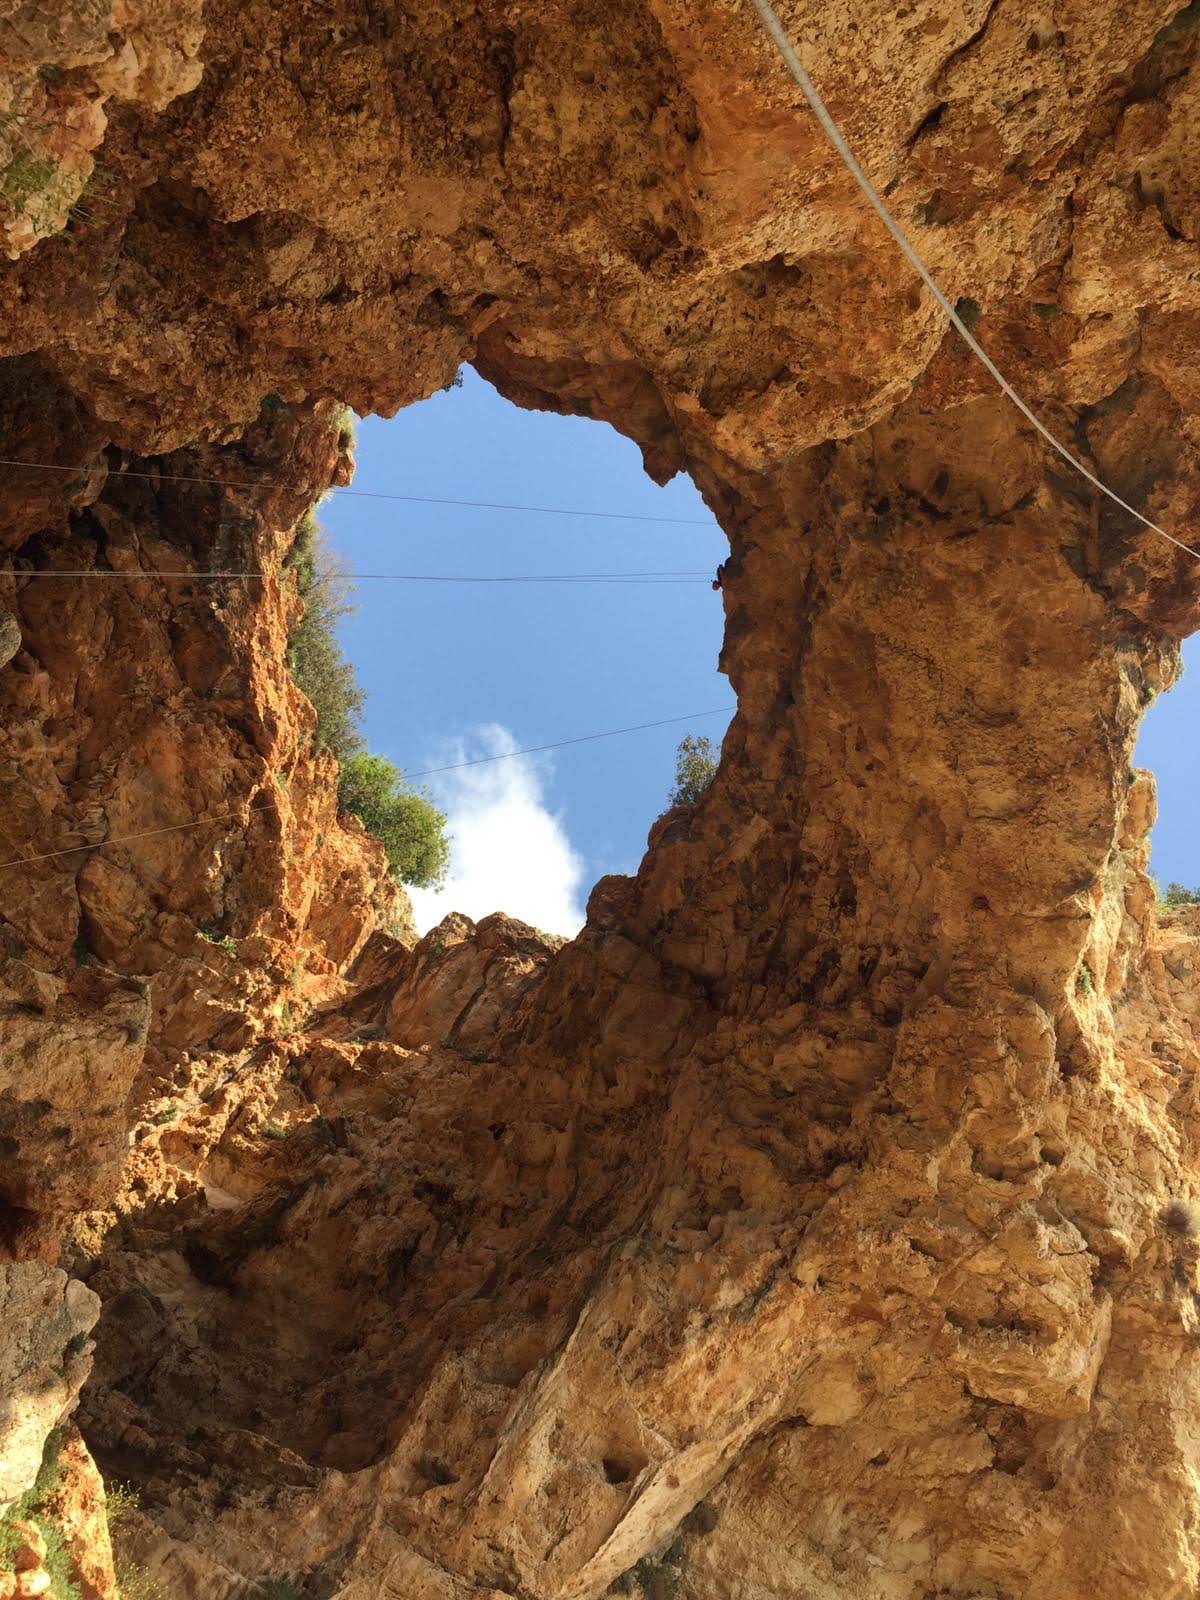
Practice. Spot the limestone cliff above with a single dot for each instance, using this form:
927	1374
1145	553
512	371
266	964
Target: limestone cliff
820	1220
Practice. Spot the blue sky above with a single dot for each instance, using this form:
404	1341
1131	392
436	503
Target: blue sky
453	672
1168	746
459	671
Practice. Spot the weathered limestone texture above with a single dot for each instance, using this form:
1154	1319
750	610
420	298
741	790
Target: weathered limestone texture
46	1319
823	1219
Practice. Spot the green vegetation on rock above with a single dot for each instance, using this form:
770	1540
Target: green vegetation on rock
280	1589
1175	895
133	1581
314	655
695	764
403	819
31	1508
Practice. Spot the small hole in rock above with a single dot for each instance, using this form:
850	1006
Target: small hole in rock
701	1519
434	1470
1181	1218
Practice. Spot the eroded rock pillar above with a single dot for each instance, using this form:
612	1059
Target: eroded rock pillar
908	1204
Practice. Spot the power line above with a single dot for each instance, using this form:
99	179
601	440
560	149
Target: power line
770	20
429	772
775	30
374	494
558	744
693	575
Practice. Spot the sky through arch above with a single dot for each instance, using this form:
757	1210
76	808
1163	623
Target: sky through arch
454	672
459	672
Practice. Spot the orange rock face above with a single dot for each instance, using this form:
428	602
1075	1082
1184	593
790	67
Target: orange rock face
821	1221
59	68
64	1539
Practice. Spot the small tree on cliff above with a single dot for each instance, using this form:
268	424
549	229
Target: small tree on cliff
695	764
406	823
411	830
314	656
1176	895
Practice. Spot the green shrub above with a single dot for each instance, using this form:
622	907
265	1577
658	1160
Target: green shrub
344	418
58	1561
119	1500
97	192
136	1029
25	176
695	764
29	1508
280	1589
1175	895
314	656
50	1473
410	828
134	1582
407	824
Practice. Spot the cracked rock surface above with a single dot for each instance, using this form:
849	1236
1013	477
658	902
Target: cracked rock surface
47	1319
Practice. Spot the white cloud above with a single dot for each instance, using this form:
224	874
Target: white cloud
508	851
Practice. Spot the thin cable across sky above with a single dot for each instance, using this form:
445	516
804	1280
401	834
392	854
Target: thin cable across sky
695	575
429	772
370	494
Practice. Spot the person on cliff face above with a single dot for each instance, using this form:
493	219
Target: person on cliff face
719	581
10	637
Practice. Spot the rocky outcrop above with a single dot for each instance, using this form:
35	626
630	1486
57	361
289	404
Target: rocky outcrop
70	1058
820	1220
60	1543
59	68
10	638
463	981
140	978
47	1319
